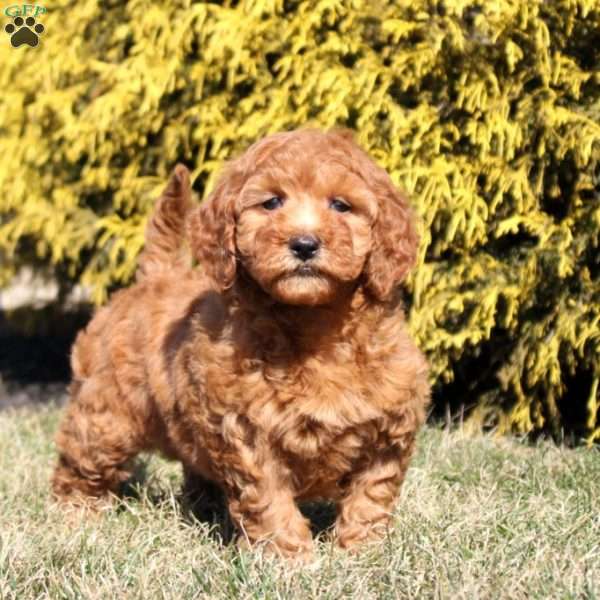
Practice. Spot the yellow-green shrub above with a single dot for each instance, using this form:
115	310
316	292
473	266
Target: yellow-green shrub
485	112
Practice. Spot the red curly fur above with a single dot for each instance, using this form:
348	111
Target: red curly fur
277	378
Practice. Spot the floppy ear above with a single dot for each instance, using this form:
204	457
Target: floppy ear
211	229
395	240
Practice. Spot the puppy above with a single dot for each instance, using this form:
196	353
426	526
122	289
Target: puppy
281	367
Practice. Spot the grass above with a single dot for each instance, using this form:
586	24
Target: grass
479	518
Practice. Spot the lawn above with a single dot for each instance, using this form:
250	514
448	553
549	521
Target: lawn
479	517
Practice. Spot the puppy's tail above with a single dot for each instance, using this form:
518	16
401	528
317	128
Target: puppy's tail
166	244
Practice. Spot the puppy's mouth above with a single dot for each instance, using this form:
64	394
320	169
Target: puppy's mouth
304	284
309	271
305	271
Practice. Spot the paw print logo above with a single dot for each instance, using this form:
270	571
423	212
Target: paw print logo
24	31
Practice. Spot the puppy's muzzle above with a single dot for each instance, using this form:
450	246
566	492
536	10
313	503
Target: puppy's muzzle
304	247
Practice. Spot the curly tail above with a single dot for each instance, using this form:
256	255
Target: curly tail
166	245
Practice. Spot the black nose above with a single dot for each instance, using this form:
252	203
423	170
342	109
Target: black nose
304	246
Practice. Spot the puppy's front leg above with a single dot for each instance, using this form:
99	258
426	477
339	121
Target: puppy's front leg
260	498
364	512
268	515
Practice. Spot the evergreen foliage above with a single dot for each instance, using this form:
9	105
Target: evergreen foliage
486	113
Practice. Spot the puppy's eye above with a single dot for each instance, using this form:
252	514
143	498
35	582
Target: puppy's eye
339	205
273	203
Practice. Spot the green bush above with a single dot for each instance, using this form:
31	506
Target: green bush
487	113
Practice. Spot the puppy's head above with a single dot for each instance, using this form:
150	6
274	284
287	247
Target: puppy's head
306	214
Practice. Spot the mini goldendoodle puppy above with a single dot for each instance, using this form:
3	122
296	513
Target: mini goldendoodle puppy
281	367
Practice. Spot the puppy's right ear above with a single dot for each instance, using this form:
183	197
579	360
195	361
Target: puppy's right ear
211	229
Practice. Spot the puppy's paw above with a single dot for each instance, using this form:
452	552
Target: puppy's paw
76	503
77	511
353	537
301	553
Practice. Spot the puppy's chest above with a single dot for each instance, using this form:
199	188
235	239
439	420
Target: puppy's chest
321	419
318	398
322	452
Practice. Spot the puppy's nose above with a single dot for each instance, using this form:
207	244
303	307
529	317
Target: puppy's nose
304	246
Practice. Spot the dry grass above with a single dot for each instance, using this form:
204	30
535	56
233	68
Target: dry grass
479	518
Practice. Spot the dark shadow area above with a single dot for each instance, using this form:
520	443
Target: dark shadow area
35	347
321	516
573	410
475	376
35	344
202	501
477	383
132	488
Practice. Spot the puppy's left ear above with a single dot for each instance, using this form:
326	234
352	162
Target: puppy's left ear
395	240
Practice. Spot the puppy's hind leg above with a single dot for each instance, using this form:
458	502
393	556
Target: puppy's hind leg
97	438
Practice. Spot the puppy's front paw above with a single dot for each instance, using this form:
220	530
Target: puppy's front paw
301	551
351	536
77	510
